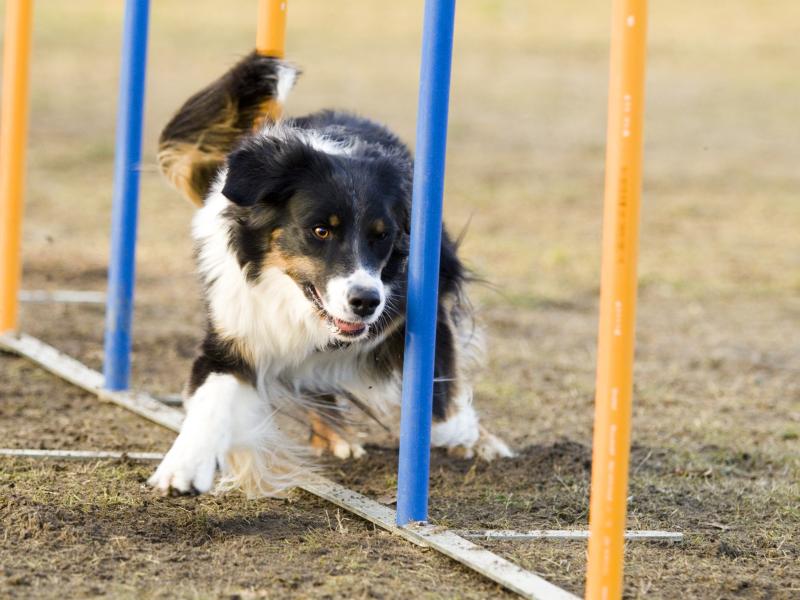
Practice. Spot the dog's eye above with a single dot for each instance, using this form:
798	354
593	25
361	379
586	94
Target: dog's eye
321	233
381	236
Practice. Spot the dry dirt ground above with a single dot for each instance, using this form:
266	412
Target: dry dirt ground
717	398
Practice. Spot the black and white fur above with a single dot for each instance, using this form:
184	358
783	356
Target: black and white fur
302	245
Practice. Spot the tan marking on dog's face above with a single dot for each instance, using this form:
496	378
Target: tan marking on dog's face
299	268
380	226
334	220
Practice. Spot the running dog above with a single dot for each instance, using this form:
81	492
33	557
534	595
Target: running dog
301	239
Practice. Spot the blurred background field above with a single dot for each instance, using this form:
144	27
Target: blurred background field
717	404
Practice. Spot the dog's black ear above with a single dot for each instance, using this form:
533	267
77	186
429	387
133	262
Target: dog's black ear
265	170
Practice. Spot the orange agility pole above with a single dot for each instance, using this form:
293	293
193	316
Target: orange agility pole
271	32
13	133
270	41
612	428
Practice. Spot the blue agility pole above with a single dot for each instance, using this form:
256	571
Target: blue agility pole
423	264
121	269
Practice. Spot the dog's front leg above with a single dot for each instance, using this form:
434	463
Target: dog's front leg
213	415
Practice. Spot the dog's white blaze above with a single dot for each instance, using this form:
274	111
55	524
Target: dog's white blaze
338	288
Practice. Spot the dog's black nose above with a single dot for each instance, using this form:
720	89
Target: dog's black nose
363	301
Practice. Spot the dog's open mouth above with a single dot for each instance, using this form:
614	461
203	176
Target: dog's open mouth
339	326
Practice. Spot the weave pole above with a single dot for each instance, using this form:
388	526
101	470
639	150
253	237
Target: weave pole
271	28
423	263
612	429
13	139
271	41
124	215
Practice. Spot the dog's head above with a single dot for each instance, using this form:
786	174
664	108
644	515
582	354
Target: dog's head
334	220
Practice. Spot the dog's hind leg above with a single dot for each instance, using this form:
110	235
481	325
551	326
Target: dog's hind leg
461	433
455	423
195	143
329	434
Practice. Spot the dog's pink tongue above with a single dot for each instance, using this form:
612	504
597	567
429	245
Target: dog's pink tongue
346	327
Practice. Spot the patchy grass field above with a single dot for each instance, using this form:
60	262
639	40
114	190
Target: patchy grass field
717	405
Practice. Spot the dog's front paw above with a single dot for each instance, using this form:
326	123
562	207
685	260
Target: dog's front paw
188	468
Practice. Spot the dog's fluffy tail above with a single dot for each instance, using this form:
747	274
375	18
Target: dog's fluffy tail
195	143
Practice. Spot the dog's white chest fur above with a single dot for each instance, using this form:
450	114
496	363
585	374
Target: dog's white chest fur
271	320
275	326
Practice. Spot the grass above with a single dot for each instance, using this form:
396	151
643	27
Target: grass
717	394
